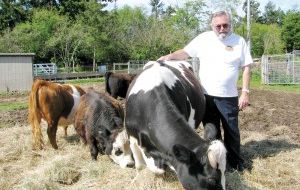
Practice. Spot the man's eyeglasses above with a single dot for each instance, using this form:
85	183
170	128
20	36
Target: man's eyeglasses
219	26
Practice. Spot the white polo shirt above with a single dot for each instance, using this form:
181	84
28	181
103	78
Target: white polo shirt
220	61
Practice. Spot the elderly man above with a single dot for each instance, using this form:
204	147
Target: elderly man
221	53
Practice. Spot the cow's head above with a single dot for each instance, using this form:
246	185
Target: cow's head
201	169
119	151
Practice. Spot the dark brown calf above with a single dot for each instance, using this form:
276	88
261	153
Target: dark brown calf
116	84
98	121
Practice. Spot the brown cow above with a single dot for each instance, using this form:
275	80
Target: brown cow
54	103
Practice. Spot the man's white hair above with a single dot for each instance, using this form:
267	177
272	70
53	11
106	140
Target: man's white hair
220	13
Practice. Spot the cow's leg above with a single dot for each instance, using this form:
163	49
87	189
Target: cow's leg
51	131
137	154
66	130
80	130
93	148
152	164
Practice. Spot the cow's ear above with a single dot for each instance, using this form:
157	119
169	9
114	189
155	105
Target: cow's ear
183	154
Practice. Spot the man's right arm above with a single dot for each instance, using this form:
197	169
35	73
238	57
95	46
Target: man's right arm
177	55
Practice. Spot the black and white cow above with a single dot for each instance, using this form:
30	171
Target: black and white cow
164	105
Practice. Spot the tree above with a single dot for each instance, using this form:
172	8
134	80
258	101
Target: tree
11	13
67	40
254	10
291	30
157	7
272	40
95	21
271	15
72	8
265	39
191	19
46	4
32	36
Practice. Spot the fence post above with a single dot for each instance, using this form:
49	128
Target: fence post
195	65
128	66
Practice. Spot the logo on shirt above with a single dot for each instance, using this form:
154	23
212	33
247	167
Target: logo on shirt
229	48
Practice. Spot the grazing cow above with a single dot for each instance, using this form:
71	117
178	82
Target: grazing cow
116	84
99	123
164	105
54	103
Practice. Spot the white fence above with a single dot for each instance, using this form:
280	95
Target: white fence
135	67
281	69
132	67
42	69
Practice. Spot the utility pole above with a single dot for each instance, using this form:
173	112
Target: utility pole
248	23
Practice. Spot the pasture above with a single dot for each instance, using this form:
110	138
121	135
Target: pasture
270	133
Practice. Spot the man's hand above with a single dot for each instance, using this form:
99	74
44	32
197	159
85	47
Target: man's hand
244	100
177	55
164	58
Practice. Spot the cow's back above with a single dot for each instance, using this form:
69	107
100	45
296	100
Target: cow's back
186	93
161	95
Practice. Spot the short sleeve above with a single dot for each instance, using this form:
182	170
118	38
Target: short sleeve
247	56
192	48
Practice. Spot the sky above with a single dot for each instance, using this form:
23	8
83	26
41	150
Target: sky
283	4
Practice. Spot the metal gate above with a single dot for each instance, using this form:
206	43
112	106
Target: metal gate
281	69
42	69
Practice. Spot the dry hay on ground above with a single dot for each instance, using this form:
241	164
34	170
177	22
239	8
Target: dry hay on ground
270	145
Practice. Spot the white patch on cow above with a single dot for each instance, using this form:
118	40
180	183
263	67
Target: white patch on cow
179	65
153	77
70	119
141	160
172	167
122	144
151	164
137	153
191	120
217	157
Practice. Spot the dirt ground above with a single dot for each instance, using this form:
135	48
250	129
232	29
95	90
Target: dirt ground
267	110
270	126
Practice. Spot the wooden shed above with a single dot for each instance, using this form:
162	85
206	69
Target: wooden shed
16	71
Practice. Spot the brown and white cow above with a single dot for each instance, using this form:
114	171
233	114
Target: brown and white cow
116	84
99	123
54	103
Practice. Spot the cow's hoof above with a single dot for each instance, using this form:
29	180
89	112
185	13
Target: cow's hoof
139	166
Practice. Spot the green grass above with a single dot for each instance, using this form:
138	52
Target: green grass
86	81
11	106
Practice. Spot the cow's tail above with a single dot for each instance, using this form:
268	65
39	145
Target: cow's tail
34	115
217	158
107	75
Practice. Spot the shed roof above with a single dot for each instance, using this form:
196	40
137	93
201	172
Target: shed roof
17	54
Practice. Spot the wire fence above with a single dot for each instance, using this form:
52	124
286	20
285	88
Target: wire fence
281	69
